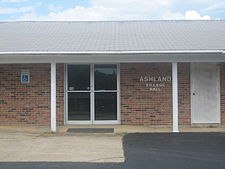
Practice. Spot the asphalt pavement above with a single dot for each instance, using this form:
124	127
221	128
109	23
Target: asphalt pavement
153	151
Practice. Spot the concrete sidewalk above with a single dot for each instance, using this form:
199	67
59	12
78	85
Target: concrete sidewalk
19	146
118	129
146	129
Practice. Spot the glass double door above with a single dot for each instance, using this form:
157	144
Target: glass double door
92	94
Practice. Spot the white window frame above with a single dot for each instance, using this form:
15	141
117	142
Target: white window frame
92	92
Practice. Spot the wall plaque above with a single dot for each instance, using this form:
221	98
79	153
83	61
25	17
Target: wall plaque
155	83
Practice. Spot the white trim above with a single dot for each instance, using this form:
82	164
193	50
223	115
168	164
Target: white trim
85	122
105	122
53	97
78	91
114	58
191	90
111	52
219	87
65	93
92	86
107	91
175	96
118	94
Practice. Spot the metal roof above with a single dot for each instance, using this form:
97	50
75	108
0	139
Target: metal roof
110	36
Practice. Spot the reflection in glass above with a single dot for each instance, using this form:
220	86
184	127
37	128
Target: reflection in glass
105	77
79	106
78	77
106	106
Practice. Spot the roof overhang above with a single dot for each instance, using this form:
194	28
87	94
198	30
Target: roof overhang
109	52
112	56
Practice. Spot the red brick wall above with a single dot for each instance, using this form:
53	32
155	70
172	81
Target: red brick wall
184	93
32	98
139	105
60	94
222	92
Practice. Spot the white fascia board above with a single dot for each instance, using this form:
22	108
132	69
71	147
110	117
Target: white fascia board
113	58
110	52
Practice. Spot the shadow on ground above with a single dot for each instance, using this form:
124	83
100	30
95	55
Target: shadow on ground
153	150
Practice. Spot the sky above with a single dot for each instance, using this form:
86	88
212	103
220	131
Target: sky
101	10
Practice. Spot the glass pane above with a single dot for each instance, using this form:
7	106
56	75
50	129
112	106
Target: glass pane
105	77
79	106
78	77
105	106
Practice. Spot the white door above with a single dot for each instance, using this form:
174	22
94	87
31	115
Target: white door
205	96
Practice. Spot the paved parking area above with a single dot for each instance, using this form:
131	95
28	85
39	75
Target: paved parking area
153	151
175	150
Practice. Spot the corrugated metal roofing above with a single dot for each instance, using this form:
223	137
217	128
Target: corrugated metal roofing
112	36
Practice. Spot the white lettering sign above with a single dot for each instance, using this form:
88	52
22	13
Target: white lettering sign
155	83
155	79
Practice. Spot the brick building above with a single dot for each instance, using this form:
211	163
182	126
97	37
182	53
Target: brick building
161	73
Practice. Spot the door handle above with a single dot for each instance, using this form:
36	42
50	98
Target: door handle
193	94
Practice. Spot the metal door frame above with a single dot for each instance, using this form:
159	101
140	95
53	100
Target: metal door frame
92	99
